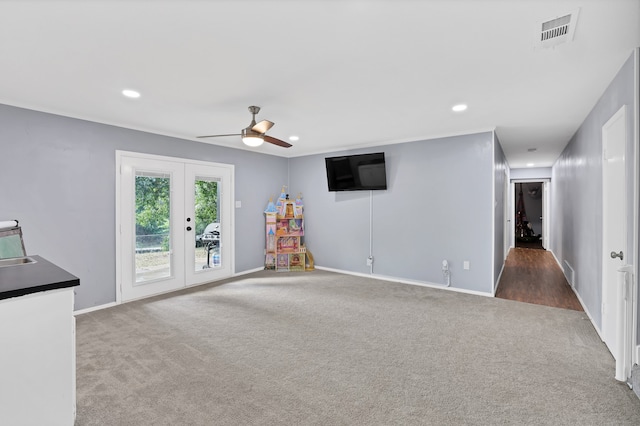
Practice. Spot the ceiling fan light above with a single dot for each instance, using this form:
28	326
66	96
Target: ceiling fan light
251	138
252	141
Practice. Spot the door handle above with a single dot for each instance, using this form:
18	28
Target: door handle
620	255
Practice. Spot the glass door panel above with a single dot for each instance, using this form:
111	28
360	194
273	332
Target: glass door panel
207	223
153	226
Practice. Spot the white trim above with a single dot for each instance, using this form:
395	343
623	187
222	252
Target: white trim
530	180
499	277
557	261
494	202
405	281
95	308
112	304
636	176
546	212
118	228
586	311
508	226
248	271
573	288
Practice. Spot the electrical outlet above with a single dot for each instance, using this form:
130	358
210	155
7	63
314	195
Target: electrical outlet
465	265
369	260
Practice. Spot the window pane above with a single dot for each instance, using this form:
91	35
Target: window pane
153	231
207	223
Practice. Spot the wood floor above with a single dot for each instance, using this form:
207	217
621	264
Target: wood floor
533	276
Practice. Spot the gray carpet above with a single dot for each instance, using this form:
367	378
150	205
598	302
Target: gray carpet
319	348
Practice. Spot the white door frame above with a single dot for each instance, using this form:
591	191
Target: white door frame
546	197
507	217
618	306
229	248
545	211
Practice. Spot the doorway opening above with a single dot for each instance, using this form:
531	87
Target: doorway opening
529	224
533	276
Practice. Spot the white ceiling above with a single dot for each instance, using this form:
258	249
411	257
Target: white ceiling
339	74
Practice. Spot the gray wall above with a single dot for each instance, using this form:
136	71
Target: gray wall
501	175
438	205
576	192
58	177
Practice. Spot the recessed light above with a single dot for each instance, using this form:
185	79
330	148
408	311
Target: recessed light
131	93
530	164
459	107
294	138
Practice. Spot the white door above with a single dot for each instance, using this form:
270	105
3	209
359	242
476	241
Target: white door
150	240
545	215
162	205
614	219
206	203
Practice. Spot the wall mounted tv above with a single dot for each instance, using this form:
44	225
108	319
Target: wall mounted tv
362	172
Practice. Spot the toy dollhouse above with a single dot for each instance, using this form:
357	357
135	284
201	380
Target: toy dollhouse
284	231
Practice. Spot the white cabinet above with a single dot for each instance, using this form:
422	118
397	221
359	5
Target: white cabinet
37	359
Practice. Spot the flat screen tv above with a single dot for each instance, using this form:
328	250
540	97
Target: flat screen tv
362	172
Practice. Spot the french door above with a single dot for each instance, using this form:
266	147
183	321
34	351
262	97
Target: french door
174	219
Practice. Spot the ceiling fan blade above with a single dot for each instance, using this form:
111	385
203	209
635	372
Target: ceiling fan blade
277	142
217	136
262	126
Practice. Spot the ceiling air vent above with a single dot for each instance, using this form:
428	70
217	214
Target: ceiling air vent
558	30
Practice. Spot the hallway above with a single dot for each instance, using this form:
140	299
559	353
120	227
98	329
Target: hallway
533	276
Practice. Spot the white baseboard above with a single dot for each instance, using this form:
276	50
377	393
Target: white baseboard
248	271
573	287
497	282
586	311
111	304
94	308
405	281
557	260
460	290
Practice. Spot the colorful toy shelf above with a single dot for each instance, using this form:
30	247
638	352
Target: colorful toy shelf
285	250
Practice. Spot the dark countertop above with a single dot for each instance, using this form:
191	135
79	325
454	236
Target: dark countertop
19	280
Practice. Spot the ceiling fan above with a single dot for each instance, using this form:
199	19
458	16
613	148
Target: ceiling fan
254	135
